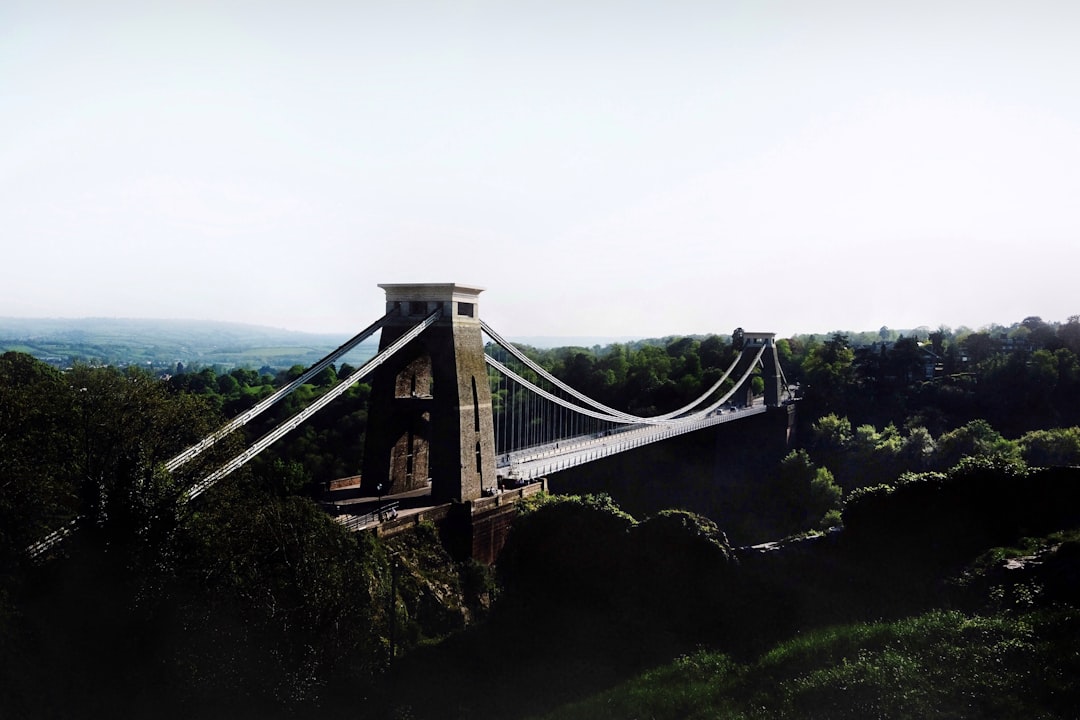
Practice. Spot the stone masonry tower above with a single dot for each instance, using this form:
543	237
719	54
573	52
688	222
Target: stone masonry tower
430	404
770	367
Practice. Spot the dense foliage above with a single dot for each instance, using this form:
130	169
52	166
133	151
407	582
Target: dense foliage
329	445
250	601
1018	378
644	378
253	602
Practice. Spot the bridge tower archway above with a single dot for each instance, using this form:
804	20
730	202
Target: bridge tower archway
432	399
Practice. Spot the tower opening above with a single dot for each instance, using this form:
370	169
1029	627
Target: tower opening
475	406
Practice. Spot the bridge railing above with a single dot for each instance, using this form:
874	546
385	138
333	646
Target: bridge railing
389	511
536	463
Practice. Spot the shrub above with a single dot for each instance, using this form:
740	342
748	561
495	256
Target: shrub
566	547
682	573
1046	448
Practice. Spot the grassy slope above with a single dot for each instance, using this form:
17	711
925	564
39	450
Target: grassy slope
942	664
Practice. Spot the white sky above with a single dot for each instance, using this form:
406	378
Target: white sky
602	168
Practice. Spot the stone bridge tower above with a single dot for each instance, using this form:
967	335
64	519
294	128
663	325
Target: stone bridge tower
770	366
431	402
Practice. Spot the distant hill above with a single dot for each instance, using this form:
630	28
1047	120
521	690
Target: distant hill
160	344
552	341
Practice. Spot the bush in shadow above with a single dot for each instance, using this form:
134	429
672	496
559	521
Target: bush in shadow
566	550
682	575
906	538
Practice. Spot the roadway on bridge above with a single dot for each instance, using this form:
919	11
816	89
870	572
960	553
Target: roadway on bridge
536	462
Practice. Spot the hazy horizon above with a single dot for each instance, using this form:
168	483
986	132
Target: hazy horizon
535	340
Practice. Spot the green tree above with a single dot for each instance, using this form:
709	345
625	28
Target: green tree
326	378
905	361
277	600
975	439
917	452
35	403
829	372
830	437
37	489
566	546
615	363
227	385
111	431
871	456
714	353
246	377
1046	448
980	346
1069	334
784	352
1040	334
823	508
801	494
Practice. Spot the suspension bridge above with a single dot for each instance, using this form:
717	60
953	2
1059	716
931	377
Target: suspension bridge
460	412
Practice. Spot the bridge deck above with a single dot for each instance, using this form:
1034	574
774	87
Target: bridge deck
537	462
